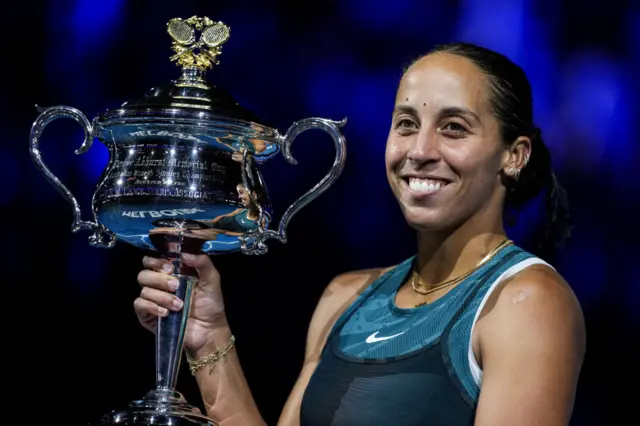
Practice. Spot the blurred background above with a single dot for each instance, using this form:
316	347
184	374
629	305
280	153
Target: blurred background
74	348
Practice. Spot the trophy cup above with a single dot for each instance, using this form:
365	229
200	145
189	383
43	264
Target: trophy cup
183	177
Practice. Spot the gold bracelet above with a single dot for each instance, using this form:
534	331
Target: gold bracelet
210	359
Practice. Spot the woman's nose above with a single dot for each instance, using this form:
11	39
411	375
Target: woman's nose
425	147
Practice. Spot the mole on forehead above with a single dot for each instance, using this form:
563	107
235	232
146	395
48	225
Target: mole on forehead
423	104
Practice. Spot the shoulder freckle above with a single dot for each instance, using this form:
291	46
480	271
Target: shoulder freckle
520	296
539	284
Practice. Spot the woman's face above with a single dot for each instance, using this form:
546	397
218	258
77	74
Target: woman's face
444	152
244	196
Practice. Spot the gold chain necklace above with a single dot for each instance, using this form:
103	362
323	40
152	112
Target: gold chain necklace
416	287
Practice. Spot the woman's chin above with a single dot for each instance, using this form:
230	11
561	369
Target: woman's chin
425	220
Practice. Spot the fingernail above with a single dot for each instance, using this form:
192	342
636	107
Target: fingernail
167	267
163	312
173	284
177	303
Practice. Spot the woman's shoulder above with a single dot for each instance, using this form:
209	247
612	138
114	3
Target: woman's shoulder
345	288
538	305
338	295
539	283
356	280
359	280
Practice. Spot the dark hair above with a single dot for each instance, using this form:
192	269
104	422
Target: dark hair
512	103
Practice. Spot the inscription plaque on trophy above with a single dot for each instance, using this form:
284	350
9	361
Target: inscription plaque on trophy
183	176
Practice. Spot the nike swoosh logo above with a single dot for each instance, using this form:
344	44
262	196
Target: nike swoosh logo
374	339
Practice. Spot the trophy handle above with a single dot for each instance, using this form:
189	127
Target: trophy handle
101	236
260	234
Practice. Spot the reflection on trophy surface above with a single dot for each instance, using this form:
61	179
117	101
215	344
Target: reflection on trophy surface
240	220
183	177
153	183
233	224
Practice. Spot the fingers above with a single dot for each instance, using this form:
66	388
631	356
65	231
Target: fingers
156	275
153	303
156	298
157	280
162	299
148	312
202	263
160	265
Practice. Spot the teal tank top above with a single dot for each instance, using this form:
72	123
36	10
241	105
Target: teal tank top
237	223
388	365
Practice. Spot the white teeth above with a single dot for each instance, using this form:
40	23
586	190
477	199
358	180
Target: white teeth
425	186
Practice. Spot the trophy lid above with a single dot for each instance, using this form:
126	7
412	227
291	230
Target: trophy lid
190	96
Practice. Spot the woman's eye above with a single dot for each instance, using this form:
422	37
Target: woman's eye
455	127
406	123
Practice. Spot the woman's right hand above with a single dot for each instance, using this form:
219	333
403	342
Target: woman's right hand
157	298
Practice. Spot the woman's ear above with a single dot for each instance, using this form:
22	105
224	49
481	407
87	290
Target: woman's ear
516	157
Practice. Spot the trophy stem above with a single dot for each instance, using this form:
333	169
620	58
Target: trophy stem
164	405
170	334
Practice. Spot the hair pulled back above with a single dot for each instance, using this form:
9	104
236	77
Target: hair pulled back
511	101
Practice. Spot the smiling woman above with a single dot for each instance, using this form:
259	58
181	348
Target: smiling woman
472	329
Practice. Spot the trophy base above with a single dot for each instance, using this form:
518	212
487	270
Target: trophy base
159	408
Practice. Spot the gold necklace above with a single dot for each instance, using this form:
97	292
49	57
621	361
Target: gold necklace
416	287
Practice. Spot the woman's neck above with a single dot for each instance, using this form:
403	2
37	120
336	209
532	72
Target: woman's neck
252	213
443	256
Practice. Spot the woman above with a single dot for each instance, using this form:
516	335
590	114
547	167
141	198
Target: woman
234	223
473	329
240	220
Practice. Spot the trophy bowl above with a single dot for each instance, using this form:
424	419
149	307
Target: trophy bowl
183	176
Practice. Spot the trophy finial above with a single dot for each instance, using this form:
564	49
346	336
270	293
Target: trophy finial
209	44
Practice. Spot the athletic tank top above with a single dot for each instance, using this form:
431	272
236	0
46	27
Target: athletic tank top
385	365
237	223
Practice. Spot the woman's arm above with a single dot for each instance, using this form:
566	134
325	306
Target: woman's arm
532	343
225	393
218	218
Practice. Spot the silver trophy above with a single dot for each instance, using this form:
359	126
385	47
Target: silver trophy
183	177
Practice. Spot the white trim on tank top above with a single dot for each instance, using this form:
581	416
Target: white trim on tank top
476	371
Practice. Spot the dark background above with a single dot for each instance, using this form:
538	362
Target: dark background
73	347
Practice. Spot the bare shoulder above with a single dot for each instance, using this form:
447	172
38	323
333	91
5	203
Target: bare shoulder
339	294
351	283
540	307
531	343
541	290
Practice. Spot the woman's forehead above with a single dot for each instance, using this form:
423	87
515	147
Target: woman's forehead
444	80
